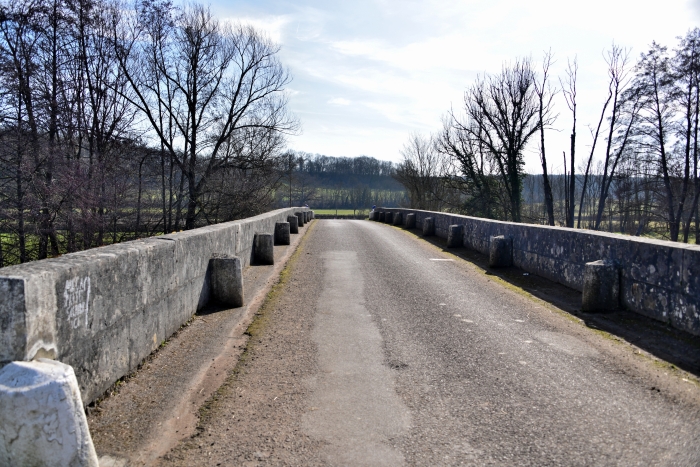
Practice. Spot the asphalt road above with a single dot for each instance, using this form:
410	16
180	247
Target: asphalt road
419	358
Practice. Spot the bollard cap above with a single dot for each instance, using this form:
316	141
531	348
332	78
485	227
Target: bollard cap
27	375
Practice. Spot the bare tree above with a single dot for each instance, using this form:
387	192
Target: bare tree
569	89
595	134
421	171
209	82
667	130
473	172
545	95
687	76
502	113
624	112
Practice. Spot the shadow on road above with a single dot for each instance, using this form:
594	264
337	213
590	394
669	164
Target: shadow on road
678	348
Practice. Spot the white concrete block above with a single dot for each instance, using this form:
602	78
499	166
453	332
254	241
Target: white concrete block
42	421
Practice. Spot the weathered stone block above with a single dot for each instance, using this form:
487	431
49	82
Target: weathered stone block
601	286
428	226
42	421
263	249
411	221
454	236
382	216
293	224
398	218
389	217
300	216
227	280
500	252
282	232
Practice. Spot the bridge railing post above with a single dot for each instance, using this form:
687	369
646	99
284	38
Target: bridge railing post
293	224
411	220
226	281
428	226
601	286
500	252
454	236
263	248
42	416
282	233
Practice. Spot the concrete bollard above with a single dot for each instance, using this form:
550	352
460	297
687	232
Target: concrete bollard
428	227
398	218
300	216
313	216
382	216
306	217
411	220
282	233
42	420
454	236
601	286
227	280
263	249
500	252
370	216
293	224
389	217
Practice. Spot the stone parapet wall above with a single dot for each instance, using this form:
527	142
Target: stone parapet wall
104	310
659	279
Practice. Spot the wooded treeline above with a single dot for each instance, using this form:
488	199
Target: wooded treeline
120	120
325	182
638	175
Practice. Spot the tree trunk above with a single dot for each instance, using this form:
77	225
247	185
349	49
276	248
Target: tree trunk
137	229
572	178
548	198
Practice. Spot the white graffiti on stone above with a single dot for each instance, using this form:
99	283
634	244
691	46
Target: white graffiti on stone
76	297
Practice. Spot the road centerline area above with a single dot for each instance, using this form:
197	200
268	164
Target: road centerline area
358	409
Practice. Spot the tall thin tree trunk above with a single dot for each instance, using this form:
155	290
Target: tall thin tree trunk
548	198
138	199
163	188
178	202
567	201
572	178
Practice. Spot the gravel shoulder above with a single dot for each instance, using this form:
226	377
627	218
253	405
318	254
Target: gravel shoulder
255	417
148	412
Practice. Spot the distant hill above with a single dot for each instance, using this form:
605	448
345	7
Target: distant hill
327	182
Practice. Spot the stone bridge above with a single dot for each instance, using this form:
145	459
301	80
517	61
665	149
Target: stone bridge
421	338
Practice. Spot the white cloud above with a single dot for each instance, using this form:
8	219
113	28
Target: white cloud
400	65
271	26
339	101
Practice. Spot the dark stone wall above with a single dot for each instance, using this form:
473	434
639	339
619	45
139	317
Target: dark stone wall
659	279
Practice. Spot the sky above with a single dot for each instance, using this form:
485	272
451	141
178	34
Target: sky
367	74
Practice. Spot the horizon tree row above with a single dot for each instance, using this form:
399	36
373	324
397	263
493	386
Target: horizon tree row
119	120
326	182
640	176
